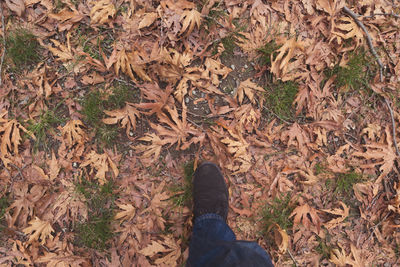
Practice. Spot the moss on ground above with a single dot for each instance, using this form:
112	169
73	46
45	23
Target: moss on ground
45	124
277	213
279	99
183	191
357	73
22	48
96	102
96	231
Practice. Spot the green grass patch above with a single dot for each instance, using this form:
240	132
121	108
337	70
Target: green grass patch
47	122
96	102
268	50
323	249
279	99
278	212
356	74
22	48
4	203
345	182
183	191
96	231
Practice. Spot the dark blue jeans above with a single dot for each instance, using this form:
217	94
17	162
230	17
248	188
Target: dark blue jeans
213	243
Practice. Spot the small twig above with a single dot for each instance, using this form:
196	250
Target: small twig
383	14
293	259
393	126
381	67
18	169
376	225
4	44
369	39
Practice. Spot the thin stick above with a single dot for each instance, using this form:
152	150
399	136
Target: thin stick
383	14
4	44
393	126
293	259
381	67
369	39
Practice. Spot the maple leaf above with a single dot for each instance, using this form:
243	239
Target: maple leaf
296	136
102	12
190	18
280	64
69	205
339	257
73	133
24	204
39	231
126	116
303	213
345	29
100	163
128	212
168	245
214	69
248	88
67	18
343	213
129	63
152	151
57	260
64	53
147	20
10	132
160	98
18	6
382	154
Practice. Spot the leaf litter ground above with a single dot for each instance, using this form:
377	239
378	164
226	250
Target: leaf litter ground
104	119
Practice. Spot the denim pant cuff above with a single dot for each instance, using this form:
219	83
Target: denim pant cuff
208	216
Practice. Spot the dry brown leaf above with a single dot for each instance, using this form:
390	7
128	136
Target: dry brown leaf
153	249
39	230
343	213
100	163
10	132
280	65
189	19
61	51
18	6
102	12
67	18
130	63
345	28
126	116
147	20
249	89
73	132
128	212
93	78
303	213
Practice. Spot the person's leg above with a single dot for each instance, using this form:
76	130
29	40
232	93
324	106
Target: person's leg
208	231
213	243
